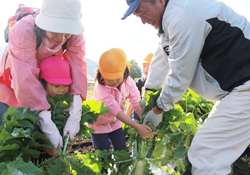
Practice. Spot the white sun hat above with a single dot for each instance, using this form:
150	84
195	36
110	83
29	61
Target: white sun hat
60	16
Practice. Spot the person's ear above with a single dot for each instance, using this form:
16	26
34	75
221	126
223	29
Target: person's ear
162	2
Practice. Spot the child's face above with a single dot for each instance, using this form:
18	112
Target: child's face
113	83
145	67
55	89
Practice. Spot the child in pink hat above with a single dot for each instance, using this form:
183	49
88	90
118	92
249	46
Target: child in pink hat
55	76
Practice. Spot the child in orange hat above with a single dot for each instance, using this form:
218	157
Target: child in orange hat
113	86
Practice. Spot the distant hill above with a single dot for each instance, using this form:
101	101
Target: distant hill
92	65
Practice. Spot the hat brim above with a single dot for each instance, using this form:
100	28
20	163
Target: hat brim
59	25
132	7
112	76
59	81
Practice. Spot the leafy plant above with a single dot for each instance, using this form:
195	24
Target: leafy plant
59	107
90	111
19	135
18	166
193	103
174	133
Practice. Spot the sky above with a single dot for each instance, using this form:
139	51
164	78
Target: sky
104	28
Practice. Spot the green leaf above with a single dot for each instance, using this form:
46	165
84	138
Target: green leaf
159	152
167	158
42	139
8	147
67	98
180	164
122	155
20	132
3	166
62	105
58	111
193	93
51	100
180	152
19	167
95	107
33	143
31	152
26	124
13	124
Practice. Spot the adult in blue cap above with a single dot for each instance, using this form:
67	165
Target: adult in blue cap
205	47
133	4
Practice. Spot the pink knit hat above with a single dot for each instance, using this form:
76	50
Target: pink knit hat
55	70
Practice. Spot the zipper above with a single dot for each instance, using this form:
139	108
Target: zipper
110	127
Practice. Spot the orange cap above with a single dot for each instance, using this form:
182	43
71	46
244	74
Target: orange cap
148	58
112	64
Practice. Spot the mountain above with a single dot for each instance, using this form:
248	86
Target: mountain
92	66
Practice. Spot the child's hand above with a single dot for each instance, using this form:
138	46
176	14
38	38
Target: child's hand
151	135
52	153
70	144
144	131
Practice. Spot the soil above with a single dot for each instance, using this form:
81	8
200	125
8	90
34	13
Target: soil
240	167
83	146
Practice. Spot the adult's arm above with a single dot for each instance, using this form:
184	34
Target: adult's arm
158	70
75	56
23	64
187	35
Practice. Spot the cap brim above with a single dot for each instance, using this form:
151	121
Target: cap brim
132	7
60	81
112	76
59	25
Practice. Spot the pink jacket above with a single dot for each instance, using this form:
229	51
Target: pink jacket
23	60
114	99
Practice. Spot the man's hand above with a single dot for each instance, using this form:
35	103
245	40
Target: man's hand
154	117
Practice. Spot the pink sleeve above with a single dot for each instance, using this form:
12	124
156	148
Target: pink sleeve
75	56
103	94
23	64
134	94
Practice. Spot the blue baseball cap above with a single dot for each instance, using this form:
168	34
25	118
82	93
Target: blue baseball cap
133	4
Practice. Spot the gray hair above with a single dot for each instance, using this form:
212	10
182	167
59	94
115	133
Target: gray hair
151	1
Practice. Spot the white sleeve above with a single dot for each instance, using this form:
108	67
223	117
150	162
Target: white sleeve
186	35
158	70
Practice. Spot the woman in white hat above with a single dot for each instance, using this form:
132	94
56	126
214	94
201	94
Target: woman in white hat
58	22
